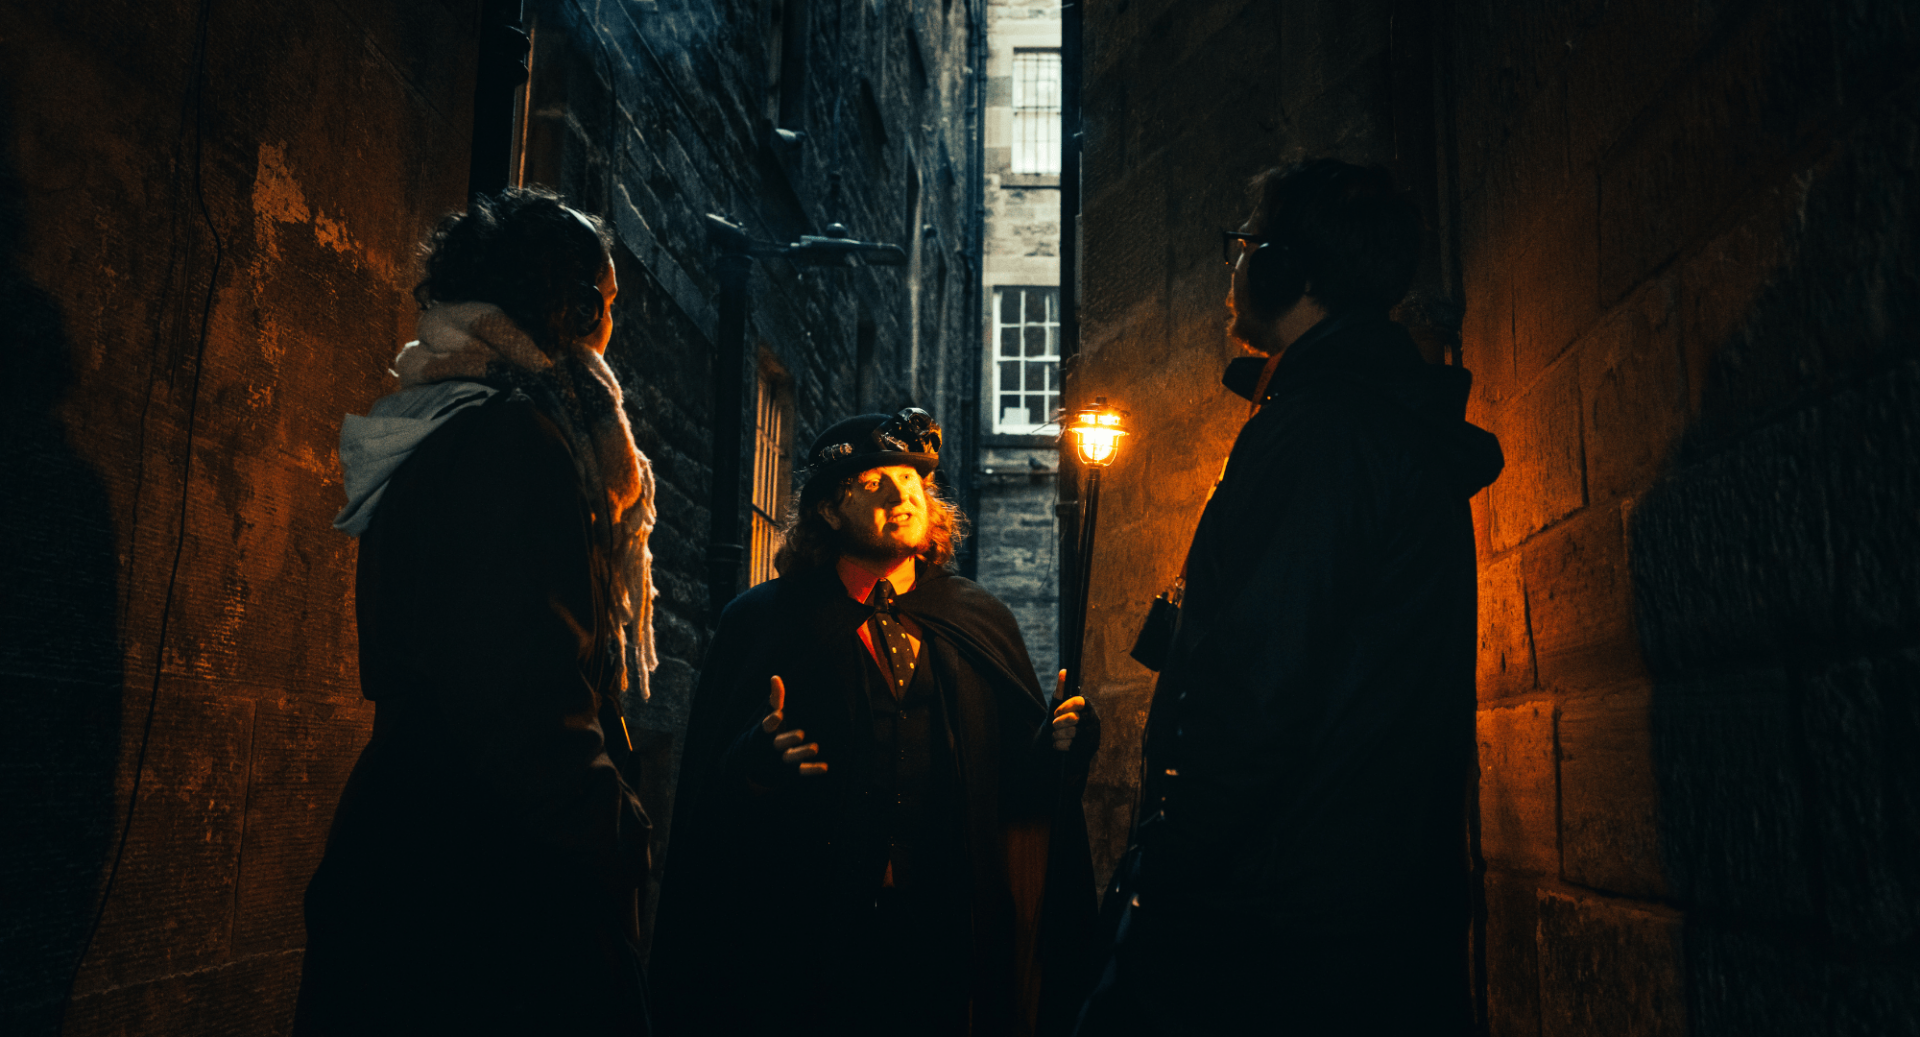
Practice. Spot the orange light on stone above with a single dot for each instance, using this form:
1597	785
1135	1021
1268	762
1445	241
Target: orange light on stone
1096	432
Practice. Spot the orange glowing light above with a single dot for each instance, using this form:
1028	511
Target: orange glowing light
1096	432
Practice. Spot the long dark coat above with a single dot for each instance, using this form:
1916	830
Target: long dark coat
481	872
757	919
1301	847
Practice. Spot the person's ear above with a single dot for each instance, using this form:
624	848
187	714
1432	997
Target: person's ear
831	514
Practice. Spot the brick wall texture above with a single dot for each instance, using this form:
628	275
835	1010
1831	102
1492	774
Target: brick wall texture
208	222
1681	237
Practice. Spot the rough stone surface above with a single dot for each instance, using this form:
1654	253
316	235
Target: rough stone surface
1519	798
1512	955
209	216
1609	800
1609	969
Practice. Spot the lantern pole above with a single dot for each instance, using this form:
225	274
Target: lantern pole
1096	431
1090	509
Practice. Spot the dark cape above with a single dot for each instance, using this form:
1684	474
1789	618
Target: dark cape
757	925
481	872
1300	856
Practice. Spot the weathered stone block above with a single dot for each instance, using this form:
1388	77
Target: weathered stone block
1668	179
171	906
1580	602
301	756
1733	822
1556	278
1862	722
1608	969
254	995
1731	558
1513	956
1634	391
1609	801
1544	479
1518	793
1506	646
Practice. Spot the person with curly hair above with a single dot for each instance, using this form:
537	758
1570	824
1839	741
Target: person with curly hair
482	872
877	828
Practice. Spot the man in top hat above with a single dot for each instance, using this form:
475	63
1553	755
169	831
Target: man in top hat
878	827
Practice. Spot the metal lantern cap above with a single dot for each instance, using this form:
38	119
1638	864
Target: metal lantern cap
1096	432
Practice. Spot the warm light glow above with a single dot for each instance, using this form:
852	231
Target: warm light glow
1096	432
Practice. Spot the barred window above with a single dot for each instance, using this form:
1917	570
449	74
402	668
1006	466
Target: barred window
1036	112
770	475
1026	329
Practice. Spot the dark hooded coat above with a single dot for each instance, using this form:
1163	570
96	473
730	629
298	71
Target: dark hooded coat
481	872
760	911
1300	852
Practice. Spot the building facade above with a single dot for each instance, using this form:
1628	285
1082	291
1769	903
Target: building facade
1020	366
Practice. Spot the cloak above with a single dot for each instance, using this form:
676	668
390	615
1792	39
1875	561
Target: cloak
1301	844
756	904
481	869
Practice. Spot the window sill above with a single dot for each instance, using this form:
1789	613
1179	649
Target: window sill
1006	440
1011	181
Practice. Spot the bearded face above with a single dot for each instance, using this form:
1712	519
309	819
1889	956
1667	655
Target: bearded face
883	516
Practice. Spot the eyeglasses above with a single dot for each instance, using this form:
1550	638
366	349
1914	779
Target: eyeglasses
1231	238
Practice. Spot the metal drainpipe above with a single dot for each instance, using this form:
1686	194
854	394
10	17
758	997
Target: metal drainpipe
501	66
976	244
1068	506
723	548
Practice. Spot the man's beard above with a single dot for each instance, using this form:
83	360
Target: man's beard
864	542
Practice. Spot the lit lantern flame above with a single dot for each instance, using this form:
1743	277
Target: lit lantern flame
1096	432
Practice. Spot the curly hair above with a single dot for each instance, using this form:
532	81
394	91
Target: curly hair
523	250
1356	234
807	542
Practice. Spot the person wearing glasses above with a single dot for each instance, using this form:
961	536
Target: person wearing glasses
1299	861
877	828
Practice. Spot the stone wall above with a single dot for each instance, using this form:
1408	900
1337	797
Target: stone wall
657	114
1681	239
207	219
1014	522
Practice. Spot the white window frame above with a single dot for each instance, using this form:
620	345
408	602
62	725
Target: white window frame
1012	359
1036	112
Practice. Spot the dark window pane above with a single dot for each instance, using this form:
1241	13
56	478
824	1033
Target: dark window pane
1036	409
1053	405
1036	341
1053	377
1036	377
1053	340
1010	376
1037	305
1009	305
1010	341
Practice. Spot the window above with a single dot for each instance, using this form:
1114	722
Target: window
1026	333
1036	112
770	474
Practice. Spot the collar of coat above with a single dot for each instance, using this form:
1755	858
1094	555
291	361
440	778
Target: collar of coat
952	608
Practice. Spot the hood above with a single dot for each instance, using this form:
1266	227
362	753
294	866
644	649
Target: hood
374	447
1380	353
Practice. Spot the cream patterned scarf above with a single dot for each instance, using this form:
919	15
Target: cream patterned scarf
473	341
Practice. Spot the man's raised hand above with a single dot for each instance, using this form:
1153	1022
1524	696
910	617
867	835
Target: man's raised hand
788	743
1066	716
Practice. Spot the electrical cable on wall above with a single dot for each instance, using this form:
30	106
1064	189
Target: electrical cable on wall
194	115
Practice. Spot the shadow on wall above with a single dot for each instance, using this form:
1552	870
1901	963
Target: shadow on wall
1776	571
60	652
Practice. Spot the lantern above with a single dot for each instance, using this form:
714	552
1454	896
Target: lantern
1096	431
